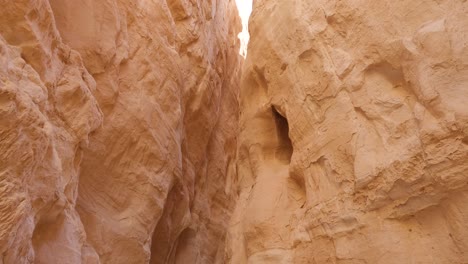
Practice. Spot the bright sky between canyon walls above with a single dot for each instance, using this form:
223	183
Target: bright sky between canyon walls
245	8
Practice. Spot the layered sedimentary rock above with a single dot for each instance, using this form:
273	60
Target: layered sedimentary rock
353	143
118	122
120	140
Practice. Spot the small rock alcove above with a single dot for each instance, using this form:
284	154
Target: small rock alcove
284	147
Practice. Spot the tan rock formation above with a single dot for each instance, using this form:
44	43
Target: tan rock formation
120	138
118	130
353	144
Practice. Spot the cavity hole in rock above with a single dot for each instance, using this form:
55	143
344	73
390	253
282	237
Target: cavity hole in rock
284	147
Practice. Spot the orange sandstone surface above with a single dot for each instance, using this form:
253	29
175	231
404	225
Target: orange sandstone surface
134	132
117	131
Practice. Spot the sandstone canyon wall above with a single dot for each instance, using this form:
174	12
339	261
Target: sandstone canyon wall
353	144
129	134
118	124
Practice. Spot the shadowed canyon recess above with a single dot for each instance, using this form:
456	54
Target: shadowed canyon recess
150	132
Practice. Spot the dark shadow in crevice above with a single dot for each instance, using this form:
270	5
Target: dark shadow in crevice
186	250
284	148
170	225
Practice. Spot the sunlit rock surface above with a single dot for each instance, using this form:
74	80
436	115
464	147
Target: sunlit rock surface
128	135
353	144
118	123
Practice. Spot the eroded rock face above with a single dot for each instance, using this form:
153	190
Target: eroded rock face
353	142
119	137
117	131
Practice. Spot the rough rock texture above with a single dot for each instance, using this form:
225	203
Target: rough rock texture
118	123
353	144
119	137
